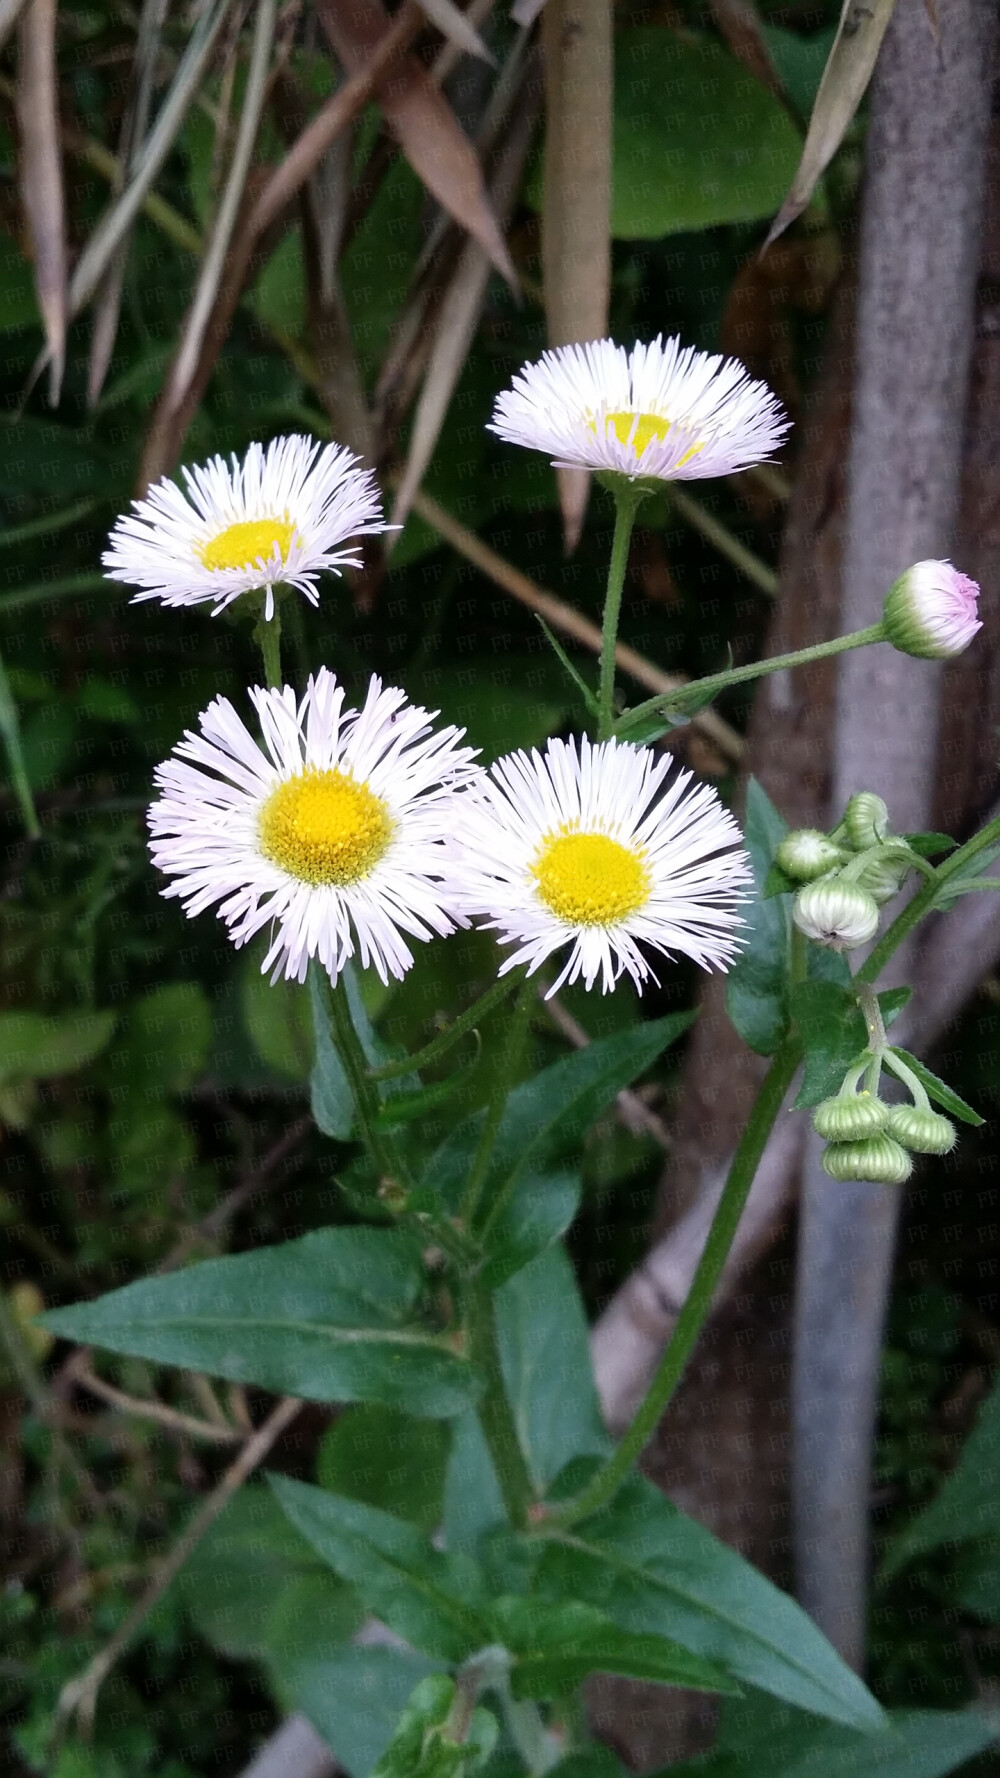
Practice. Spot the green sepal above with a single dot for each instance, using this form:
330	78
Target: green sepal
939	1091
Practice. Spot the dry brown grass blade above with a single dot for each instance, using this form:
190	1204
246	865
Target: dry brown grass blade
576	203
424	124
267	201
107	304
41	176
457	27
459	316
740	24
846	75
193	335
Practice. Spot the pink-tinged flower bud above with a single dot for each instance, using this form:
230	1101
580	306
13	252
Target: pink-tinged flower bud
835	913
932	611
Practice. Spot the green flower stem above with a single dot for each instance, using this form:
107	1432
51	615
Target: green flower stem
268	634
628	498
496	1416
700	691
503	1080
923	901
608	1480
466	1021
364	1092
914	1087
689	1323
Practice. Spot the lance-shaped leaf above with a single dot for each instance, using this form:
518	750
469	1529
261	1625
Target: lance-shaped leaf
757	984
576	199
202	303
436	1601
354	1698
968	1505
41	175
423	122
331	1317
758	1736
556	1644
841	90
654	1571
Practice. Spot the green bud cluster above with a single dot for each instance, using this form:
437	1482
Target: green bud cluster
871	1140
845	876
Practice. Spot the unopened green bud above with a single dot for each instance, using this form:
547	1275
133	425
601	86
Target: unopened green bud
882	876
922	1130
850	1117
807	853
866	819
836	913
879	1160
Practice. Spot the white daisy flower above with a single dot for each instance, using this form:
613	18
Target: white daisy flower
589	846
280	515
659	411
332	832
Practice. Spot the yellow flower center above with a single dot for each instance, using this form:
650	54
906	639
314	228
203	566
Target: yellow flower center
243	545
647	429
322	826
588	879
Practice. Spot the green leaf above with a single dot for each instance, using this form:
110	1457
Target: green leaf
545	1353
968	869
539	1210
968	1504
354	1699
758	1736
697	141
163	1044
834	1033
978	1578
277	1017
558	1643
939	1091
473	1503
778	882
331	1317
930	844
256	1589
800	59
388	1459
558	1106
431	1598
33	1047
655	1572
542	1118
757	984
423	1745
330	1094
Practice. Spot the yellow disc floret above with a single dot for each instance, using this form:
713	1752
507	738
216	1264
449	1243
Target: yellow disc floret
642	430
252	540
322	826
589	879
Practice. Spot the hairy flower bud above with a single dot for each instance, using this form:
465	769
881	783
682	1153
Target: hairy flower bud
807	853
836	913
850	1117
866	819
922	1130
879	1160
932	611
881	877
